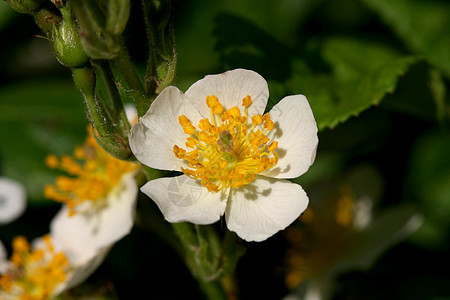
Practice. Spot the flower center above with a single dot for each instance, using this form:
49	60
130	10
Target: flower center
34	274
227	150
94	174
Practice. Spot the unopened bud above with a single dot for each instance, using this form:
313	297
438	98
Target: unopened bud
47	19
117	17
67	43
97	41
58	3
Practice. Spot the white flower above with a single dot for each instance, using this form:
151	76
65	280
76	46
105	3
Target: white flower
236	160
12	200
99	206
84	234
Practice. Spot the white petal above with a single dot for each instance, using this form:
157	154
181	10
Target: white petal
296	134
3	255
230	88
82	235
183	199
153	137
130	112
81	272
4	263
12	200
260	209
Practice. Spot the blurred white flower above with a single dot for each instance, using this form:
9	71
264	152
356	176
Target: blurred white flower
12	200
3	259
340	232
40	271
99	205
236	160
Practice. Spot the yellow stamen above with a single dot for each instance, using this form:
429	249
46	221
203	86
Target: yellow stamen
187	125
94	174
226	151
247	101
273	146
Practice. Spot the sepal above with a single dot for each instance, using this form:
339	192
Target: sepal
25	6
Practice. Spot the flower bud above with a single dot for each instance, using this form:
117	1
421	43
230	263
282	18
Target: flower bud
97	41
25	6
161	69
58	3
117	17
67	43
47	19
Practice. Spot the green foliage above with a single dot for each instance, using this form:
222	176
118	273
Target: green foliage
341	76
362	72
38	118
428	184
422	25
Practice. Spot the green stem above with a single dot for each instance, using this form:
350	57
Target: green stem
151	60
229	285
118	115
126	67
196	241
85	80
98	115
213	290
162	55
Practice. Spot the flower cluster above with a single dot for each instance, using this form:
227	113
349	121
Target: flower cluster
235	159
98	197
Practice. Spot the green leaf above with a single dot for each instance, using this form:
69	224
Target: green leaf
38	119
422	25
361	73
420	93
438	90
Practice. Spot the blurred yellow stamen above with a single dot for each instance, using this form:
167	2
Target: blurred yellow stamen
308	254
94	174
227	151
36	273
344	214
